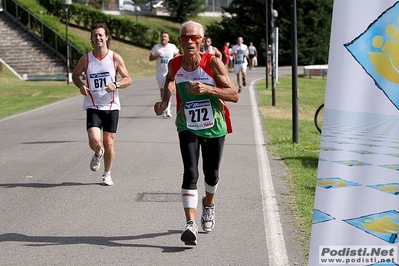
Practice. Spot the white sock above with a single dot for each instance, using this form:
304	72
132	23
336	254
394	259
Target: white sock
107	173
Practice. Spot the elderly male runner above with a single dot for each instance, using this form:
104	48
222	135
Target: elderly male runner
203	120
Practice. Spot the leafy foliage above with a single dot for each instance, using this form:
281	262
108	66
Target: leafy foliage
248	20
313	30
182	10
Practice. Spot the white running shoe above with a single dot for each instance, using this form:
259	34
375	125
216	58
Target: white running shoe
190	233
96	160
107	180
208	217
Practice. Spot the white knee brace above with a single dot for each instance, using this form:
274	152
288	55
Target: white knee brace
211	189
189	198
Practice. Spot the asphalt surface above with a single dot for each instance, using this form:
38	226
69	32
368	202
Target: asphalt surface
54	210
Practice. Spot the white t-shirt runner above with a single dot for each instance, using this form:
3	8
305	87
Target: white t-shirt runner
167	53
240	56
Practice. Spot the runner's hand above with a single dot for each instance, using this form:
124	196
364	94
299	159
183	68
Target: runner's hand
84	90
197	88
159	107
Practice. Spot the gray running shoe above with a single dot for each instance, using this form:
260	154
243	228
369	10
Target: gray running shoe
107	180
190	233
96	160
208	217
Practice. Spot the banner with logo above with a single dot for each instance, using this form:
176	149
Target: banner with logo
356	209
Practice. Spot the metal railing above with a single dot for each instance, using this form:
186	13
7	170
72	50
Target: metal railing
41	31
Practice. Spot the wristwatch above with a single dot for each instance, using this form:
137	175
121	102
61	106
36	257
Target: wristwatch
117	84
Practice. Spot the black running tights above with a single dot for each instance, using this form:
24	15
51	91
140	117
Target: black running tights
211	149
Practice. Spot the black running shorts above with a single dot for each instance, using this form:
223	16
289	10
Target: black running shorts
103	119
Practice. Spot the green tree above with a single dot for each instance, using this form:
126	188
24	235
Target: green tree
247	19
182	10
313	30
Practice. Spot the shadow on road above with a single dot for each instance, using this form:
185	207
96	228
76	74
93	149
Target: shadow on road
119	241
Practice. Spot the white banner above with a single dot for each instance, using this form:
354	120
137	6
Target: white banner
357	188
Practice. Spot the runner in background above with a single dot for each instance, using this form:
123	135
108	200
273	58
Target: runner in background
252	52
163	52
240	52
208	48
226	55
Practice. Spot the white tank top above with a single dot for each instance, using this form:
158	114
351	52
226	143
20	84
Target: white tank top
211	51
99	73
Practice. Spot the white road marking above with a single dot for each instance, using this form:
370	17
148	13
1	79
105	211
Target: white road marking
274	233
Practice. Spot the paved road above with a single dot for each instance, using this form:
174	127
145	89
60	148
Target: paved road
55	212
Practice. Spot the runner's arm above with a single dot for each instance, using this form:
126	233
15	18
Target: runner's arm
79	69
123	72
217	52
168	89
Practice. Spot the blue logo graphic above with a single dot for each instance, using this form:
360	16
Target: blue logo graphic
377	51
384	225
319	217
391	188
334	182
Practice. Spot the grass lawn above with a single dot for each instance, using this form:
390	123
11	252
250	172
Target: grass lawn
18	96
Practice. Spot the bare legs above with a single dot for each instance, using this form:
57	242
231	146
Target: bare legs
94	135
